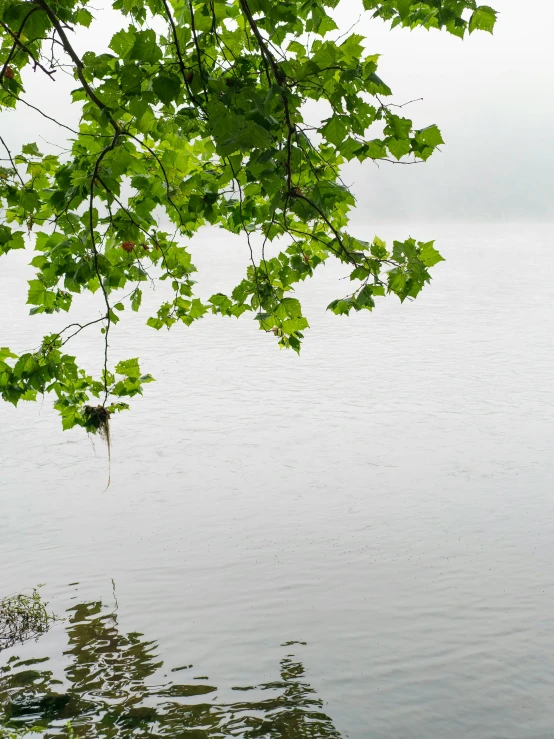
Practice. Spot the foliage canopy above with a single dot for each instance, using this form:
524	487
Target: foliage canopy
197	115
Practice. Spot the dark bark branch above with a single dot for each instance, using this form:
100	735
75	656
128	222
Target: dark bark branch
78	64
182	65
338	237
281	81
197	46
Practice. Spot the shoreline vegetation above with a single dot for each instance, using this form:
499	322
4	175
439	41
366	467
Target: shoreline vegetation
23	618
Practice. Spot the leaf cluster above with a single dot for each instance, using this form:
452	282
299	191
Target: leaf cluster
197	116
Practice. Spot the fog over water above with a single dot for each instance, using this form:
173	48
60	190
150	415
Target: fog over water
386	497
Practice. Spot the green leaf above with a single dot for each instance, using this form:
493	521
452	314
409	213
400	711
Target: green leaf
5	353
334	130
136	299
83	17
404	8
156	323
10	239
70	418
483	19
145	47
292	307
398	148
399	127
128	367
37	293
296	48
167	88
429	255
431	136
31	149
122	42
292	325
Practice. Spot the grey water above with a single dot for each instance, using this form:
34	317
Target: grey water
374	517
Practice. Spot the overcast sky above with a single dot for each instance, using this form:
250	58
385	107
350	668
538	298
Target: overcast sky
492	97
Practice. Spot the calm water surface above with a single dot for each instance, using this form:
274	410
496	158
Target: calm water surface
363	536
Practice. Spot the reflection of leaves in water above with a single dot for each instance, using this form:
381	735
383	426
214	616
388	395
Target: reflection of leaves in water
108	691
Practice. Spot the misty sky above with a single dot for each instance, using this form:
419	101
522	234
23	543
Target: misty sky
492	97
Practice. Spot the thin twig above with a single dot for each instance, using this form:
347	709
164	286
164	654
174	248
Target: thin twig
12	161
105	151
14	47
44	115
80	328
161	166
26	49
247	236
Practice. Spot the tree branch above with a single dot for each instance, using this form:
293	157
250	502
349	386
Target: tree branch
197	46
78	64
12	161
182	66
12	52
26	49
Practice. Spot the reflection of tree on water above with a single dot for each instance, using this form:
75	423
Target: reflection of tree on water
107	692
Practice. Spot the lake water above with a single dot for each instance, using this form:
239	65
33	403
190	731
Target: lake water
363	536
